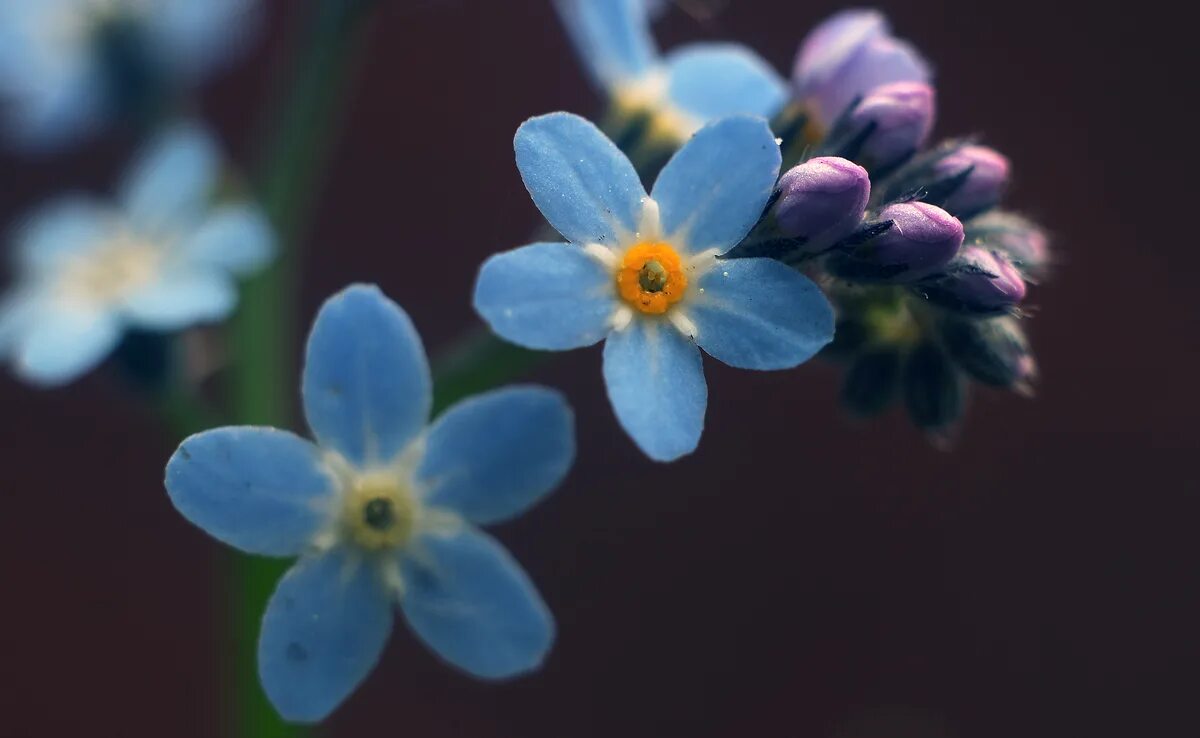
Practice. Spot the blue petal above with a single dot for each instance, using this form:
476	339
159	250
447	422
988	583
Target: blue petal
181	297
367	390
656	385
492	456
712	192
549	296
196	36
469	601
235	238
612	38
712	81
262	490
579	179
323	632
760	314
172	180
62	342
60	230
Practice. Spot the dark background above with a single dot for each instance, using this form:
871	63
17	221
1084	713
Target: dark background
800	575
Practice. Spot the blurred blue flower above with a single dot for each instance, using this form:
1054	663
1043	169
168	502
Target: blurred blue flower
645	273
381	510
67	65
163	258
680	91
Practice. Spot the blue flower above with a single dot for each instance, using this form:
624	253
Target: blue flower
381	510
646	273
163	258
681	91
67	65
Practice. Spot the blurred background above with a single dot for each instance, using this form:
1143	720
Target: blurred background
801	574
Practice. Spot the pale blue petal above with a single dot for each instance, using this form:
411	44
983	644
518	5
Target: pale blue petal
367	389
548	296
181	297
235	238
322	634
171	181
18	307
48	106
59	230
492	456
469	601
712	81
612	38
61	342
760	314
656	385
200	35
712	192
261	490
578	178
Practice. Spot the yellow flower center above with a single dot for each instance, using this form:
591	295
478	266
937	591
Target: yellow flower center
111	271
380	511
651	277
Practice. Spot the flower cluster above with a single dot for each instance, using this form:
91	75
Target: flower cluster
780	222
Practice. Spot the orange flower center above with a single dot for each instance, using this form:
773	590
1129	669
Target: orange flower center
651	277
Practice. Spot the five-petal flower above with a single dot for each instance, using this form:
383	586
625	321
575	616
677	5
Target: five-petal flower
66	65
164	258
680	91
381	510
646	272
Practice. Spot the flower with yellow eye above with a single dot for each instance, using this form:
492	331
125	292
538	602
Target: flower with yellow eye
678	92
382	510
646	272
162	258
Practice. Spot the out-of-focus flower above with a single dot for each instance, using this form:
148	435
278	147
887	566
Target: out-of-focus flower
68	65
887	127
995	351
923	238
845	58
162	258
382	511
981	175
646	273
977	281
678	92
1022	240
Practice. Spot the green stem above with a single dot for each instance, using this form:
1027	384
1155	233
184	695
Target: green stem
262	334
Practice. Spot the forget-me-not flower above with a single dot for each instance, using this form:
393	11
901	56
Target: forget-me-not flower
381	510
66	65
164	257
680	91
644	273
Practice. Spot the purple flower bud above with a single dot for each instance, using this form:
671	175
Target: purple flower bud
822	201
978	281
900	115
847	56
1023	242
922	240
984	184
993	351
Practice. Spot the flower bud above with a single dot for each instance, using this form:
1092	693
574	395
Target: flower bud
922	240
890	124
934	390
978	281
847	56
822	201
871	382
1023	242
994	351
986	177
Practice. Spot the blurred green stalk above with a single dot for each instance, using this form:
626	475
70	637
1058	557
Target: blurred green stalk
296	143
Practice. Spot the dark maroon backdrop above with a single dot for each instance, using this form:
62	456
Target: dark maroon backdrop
800	575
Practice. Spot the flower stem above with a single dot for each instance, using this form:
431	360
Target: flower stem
262	337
